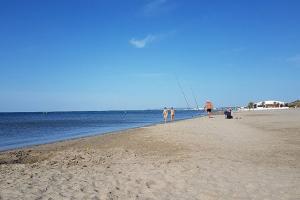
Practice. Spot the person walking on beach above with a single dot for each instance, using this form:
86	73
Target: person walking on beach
172	114
208	107
165	114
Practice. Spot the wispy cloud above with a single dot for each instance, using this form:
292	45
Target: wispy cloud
141	43
155	7
150	38
294	59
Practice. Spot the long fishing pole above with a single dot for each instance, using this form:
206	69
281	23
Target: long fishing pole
186	101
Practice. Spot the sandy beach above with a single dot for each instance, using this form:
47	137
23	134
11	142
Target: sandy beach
256	155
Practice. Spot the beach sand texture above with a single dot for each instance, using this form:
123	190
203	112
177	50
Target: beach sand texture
254	157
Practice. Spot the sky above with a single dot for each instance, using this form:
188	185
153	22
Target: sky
69	55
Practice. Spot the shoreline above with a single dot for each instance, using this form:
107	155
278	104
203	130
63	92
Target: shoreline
255	156
94	135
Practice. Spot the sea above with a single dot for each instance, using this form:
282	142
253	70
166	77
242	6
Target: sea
25	129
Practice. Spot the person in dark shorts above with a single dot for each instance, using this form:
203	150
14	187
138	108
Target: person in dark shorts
208	107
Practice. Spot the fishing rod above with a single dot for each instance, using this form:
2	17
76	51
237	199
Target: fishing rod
186	101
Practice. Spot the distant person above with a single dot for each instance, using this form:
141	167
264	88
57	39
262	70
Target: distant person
228	114
165	114
172	114
208	107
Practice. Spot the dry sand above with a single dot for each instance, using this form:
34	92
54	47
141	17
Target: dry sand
254	157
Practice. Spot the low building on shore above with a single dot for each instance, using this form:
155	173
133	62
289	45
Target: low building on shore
269	104
265	105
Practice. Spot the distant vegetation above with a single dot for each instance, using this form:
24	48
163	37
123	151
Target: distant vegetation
294	104
250	105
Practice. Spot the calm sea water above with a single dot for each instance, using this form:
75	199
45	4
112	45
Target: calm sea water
24	129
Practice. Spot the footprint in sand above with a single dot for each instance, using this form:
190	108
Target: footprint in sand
150	183
138	181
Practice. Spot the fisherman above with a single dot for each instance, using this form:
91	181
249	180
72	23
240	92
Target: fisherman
172	114
165	114
208	107
228	114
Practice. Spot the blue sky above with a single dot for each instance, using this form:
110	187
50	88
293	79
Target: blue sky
109	54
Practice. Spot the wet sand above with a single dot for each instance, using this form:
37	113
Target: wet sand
256	156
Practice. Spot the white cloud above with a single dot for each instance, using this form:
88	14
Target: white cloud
142	42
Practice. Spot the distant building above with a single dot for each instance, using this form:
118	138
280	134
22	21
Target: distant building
269	104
